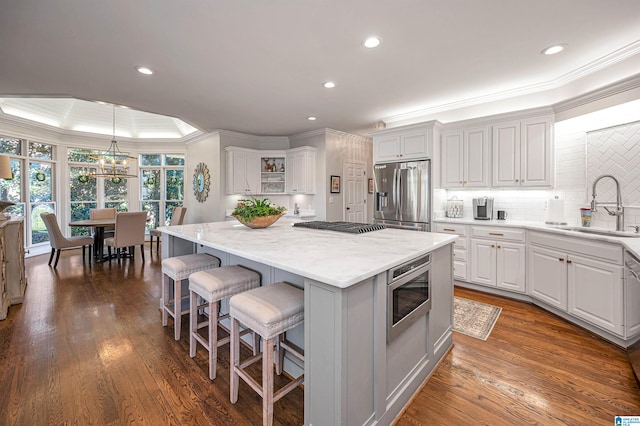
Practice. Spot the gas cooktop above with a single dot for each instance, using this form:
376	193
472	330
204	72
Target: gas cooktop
349	227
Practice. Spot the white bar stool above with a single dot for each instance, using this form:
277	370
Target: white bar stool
270	311
178	269
212	286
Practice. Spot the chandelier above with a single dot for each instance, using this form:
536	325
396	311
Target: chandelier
113	163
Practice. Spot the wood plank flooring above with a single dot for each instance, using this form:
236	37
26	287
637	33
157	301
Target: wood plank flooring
87	347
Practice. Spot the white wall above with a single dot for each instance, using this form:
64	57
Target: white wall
205	149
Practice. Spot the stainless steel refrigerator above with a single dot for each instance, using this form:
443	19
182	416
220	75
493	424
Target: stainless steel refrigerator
403	195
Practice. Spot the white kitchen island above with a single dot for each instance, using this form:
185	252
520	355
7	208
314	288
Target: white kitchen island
352	376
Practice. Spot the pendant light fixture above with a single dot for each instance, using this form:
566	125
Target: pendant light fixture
113	163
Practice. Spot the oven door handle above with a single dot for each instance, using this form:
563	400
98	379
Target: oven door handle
409	276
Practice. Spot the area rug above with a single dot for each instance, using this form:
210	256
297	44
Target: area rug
473	318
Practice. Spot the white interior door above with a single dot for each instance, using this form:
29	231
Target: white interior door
355	195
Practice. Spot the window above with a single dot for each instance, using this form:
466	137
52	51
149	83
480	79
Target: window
161	186
89	193
31	188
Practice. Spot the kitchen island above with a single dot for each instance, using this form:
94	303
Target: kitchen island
352	375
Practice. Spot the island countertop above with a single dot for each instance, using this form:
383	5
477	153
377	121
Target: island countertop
338	259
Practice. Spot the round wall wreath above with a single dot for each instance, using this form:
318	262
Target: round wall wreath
201	182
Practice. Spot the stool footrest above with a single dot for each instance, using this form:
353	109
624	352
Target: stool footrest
295	350
288	388
250	381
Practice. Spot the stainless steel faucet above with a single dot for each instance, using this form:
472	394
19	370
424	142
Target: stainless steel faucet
619	211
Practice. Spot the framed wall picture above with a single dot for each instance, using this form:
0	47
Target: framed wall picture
370	186
335	184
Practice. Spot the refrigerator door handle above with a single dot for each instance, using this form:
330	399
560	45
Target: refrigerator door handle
394	191
399	192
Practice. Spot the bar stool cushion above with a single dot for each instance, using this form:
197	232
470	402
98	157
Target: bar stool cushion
269	310
219	283
179	268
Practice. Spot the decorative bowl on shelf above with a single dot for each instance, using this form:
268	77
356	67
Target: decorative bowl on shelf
260	221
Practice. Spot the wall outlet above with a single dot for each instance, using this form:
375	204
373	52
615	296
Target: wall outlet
330	200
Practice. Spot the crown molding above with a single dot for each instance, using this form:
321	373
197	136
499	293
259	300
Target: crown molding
616	88
309	134
601	63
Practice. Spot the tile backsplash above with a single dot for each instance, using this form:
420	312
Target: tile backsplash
571	185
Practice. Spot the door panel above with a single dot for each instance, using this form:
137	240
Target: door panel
385	193
483	262
548	276
511	266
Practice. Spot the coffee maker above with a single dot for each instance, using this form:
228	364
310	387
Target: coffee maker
483	208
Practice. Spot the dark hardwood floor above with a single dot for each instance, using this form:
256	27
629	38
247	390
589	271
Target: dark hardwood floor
87	347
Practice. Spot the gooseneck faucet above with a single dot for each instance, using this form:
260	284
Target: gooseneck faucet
619	211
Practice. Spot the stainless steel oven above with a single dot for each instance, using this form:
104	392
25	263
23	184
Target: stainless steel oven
408	295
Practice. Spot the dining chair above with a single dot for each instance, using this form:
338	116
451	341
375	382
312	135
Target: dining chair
130	229
107	213
59	242
177	217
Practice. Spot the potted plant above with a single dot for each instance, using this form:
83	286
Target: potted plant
257	213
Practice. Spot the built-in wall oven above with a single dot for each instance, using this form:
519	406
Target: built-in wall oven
408	295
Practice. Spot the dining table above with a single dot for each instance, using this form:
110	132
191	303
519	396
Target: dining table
98	236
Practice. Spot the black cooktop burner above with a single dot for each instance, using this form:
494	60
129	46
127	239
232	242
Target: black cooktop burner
349	227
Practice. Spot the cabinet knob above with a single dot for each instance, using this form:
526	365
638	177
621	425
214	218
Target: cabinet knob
460	182
516	180
492	246
465	182
561	259
569	261
499	247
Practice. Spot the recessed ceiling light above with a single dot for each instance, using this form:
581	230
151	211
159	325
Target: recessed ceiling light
312	118
552	50
372	42
144	70
329	85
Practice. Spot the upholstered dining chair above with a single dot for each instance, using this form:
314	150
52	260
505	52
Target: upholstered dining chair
177	217
130	227
59	241
108	213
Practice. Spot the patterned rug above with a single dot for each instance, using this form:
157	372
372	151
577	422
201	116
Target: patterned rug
473	318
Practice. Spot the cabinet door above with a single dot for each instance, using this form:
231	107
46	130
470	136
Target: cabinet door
483	262
476	157
506	154
452	159
510	264
386	148
293	172
415	145
243	173
548	276
595	293
631	298
536	158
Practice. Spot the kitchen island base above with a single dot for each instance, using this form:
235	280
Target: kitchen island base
352	375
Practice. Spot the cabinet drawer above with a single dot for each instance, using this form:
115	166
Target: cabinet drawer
449	228
599	250
459	254
498	234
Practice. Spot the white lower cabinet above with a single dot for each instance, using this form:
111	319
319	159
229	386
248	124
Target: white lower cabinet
548	276
596	292
571	280
498	263
460	261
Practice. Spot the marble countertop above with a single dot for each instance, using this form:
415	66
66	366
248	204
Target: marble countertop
630	243
335	258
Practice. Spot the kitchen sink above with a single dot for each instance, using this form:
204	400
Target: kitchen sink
607	232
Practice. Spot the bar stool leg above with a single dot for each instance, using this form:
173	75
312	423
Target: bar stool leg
165	299
213	339
280	359
177	308
267	382
193	322
234	359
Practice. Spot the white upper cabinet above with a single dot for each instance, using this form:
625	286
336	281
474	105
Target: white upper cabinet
522	153
243	171
465	158
403	143
301	170
253	172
